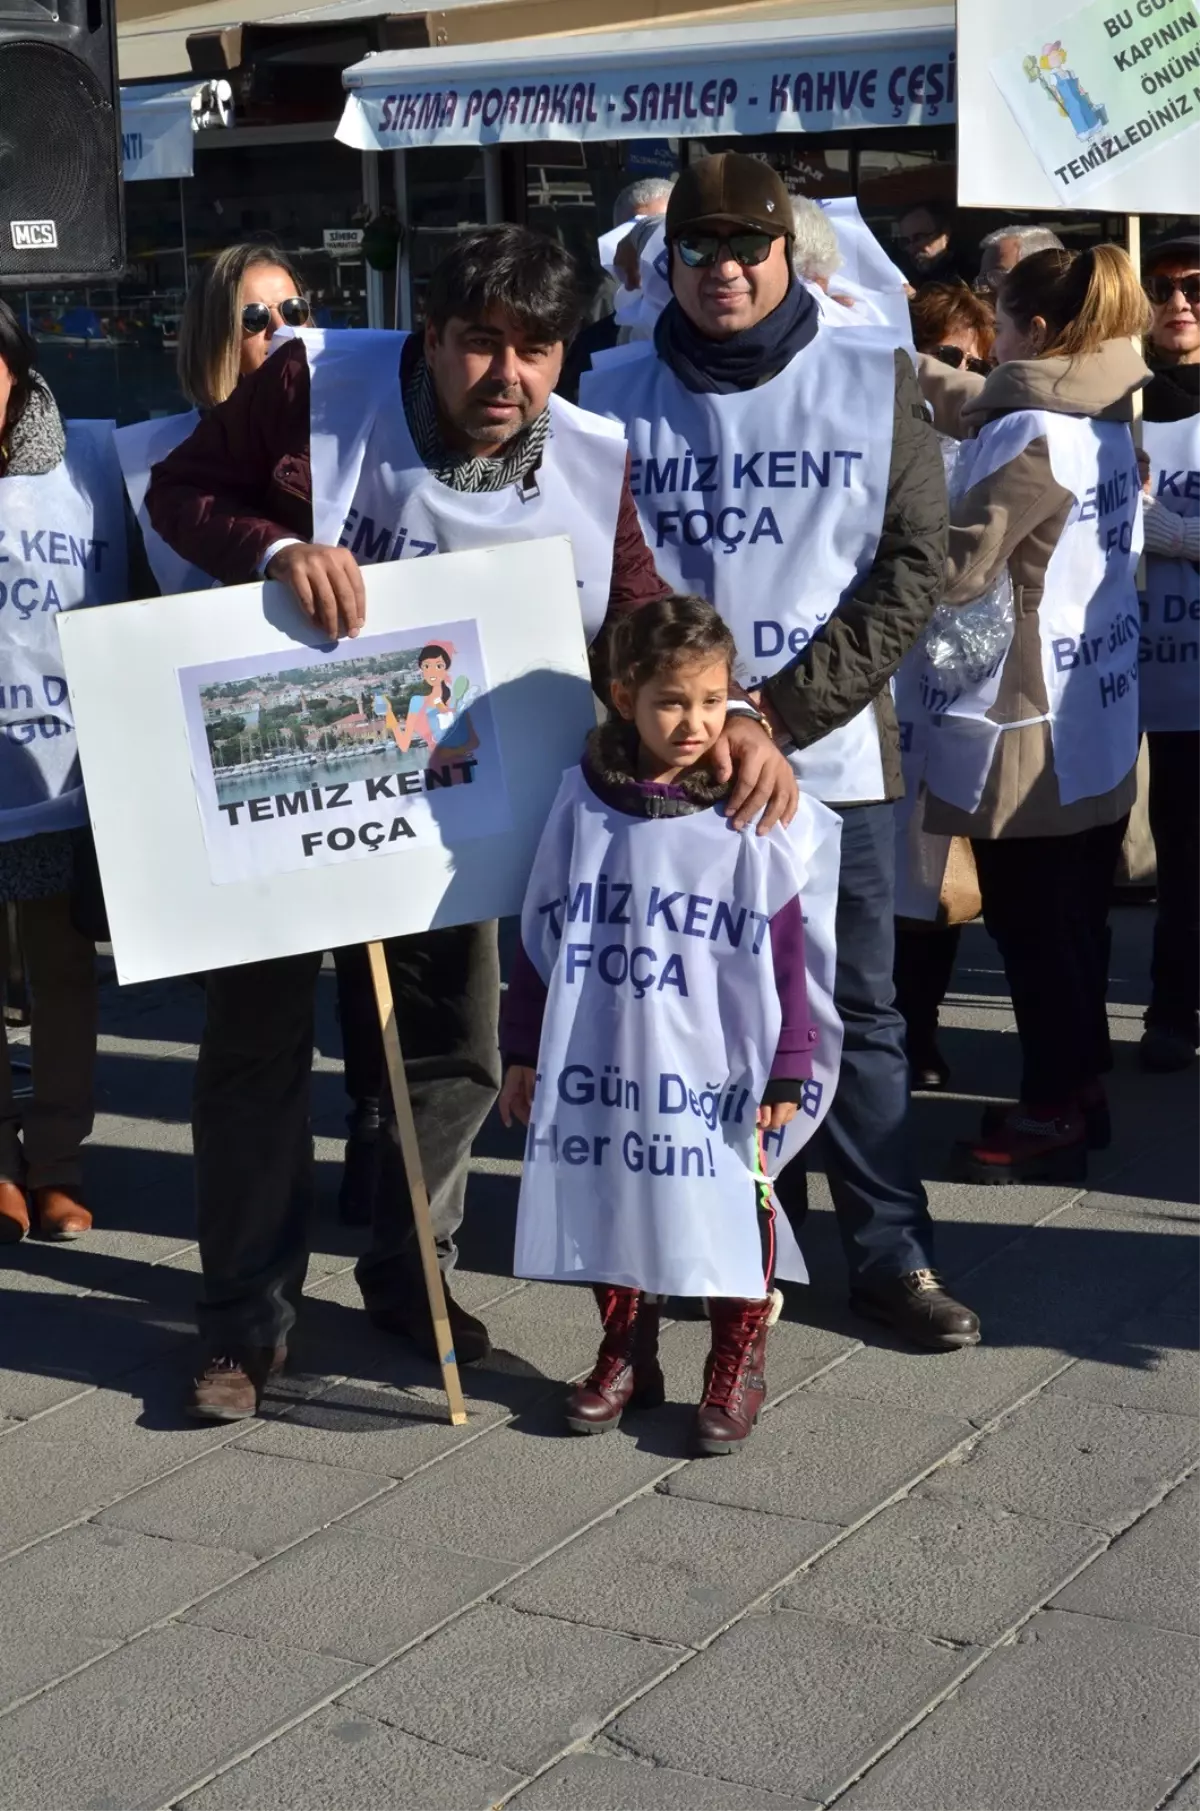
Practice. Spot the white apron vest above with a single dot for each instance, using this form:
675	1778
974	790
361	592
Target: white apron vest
139	448
62	547
1170	646
373	494
661	1024
770	503
1087	622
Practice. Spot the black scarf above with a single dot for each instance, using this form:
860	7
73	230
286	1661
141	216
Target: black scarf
1173	393
744	359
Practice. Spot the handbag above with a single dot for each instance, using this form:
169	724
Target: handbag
959	900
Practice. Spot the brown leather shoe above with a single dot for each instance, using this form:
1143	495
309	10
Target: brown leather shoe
60	1214
919	1308
14	1214
626	1374
735	1385
412	1320
230	1388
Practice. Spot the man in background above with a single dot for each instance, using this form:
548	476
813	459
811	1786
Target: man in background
645	199
927	250
1004	249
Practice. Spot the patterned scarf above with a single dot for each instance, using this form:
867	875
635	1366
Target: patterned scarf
38	441
458	470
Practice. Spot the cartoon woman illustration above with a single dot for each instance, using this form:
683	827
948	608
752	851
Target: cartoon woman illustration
437	718
1064	88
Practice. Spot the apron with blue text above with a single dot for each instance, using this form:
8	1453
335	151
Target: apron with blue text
1087	622
139	448
642	1159
769	503
373	494
62	547
1170	646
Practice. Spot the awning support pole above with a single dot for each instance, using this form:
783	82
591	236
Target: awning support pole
404	307
370	163
493	184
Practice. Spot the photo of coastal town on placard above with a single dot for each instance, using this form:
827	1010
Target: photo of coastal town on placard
400	704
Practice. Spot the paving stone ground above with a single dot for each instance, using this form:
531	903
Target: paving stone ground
931	1583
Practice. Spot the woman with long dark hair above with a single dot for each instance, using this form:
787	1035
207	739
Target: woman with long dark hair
63	527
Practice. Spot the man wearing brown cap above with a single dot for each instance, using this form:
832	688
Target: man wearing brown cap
792	476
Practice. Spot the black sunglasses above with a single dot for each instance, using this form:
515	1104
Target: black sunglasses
701	250
256	316
1162	289
957	358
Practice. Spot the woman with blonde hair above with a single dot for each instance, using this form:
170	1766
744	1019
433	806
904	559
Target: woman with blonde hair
238	300
1036	762
234	306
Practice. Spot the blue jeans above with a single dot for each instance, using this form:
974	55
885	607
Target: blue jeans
882	1210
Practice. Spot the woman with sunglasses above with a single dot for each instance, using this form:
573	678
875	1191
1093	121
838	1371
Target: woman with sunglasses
1169	689
953	330
238	301
1036	762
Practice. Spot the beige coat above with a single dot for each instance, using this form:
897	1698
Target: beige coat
1016	516
948	390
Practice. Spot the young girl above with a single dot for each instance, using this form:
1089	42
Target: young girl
660	995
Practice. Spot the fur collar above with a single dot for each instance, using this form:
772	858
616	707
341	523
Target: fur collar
610	769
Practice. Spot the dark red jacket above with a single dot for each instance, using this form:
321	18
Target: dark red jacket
243	481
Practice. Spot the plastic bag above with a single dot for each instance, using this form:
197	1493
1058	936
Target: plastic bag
965	643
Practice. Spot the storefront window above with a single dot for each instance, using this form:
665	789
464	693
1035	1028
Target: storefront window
110	352
808	167
446	197
570	189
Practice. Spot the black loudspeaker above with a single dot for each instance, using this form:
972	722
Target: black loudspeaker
62	212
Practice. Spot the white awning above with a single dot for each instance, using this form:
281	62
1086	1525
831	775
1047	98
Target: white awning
158	121
886	68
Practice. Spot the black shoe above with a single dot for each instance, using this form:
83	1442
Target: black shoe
917	1307
1165	1052
928	1069
412	1321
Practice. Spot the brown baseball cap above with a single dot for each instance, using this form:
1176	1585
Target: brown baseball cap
729	186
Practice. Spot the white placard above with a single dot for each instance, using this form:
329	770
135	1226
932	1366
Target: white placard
320	828
1093	106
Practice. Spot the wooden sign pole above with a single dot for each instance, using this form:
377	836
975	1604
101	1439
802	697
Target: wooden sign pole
1133	235
410	1151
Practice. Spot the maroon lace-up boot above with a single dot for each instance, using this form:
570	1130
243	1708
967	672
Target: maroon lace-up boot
734	1384
626	1374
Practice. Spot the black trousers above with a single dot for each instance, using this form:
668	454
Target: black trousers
253	1138
1175	826
362	1041
924	966
1045	903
